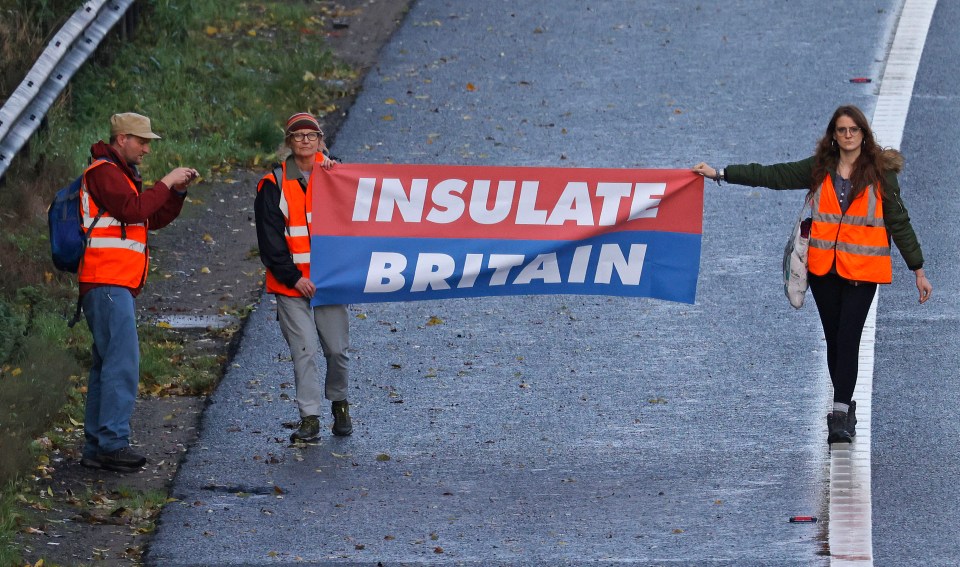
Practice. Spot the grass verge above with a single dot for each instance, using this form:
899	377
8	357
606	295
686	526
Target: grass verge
217	81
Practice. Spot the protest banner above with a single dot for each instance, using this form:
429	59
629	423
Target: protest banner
415	232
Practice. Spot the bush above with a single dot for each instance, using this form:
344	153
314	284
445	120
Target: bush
11	328
33	390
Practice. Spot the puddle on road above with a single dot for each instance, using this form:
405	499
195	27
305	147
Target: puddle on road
197	321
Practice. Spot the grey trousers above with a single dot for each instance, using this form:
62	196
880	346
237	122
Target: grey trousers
308	330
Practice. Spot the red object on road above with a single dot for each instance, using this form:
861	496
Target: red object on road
861	80
803	520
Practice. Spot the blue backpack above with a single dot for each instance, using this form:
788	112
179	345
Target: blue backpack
68	239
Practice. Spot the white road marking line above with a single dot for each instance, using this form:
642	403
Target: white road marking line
850	533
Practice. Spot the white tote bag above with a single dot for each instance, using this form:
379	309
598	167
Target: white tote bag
795	256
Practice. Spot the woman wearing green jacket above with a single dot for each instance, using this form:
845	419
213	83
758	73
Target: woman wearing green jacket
845	266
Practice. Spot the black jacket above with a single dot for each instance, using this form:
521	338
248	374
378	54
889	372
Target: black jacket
271	226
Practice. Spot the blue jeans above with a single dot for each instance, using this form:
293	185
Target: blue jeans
115	375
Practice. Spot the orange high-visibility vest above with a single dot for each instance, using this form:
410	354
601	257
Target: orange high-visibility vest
116	252
855	241
296	205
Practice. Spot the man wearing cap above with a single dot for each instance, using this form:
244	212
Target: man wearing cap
117	211
283	211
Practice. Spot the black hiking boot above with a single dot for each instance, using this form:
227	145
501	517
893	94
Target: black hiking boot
308	432
123	460
852	419
837	426
342	424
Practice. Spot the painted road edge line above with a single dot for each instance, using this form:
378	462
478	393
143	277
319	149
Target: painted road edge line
850	533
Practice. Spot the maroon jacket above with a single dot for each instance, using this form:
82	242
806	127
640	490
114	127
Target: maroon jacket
157	206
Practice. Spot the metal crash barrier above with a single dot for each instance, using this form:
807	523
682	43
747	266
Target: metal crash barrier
69	49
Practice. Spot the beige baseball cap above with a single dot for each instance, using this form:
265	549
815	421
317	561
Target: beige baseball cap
131	123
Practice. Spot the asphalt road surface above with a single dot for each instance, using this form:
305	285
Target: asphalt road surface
573	430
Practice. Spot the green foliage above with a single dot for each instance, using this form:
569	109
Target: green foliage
10	519
24	27
11	328
47	13
33	389
167	367
137	499
217	89
218	80
39	358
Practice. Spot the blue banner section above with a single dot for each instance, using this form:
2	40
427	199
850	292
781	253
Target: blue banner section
352	269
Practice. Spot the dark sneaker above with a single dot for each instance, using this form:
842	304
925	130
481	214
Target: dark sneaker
90	463
837	426
308	431
852	419
342	424
124	459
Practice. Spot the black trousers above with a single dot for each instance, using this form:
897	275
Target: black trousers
843	308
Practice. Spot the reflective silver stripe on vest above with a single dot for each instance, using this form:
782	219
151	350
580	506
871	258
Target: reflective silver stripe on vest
120	243
815	199
872	205
827	218
106	221
284	206
852	221
302	258
285	209
863	250
821	244
859	249
870	219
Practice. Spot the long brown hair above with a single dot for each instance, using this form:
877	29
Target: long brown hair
872	163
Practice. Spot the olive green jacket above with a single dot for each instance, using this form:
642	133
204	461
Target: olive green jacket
797	175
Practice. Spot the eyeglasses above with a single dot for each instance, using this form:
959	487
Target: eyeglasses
309	136
853	130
